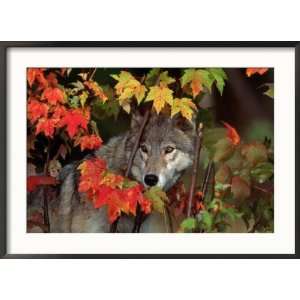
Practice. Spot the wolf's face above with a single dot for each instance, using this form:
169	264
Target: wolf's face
166	150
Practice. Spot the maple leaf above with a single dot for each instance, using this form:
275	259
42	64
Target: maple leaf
158	198
46	126
58	113
34	181
112	180
89	142
219	76
103	187
232	134
133	195
96	89
36	74
53	95
160	95
52	79
92	167
128	87
146	205
74	119
185	106
165	79
252	71
36	110
197	79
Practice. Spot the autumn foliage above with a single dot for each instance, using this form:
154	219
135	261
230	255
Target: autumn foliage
65	107
106	188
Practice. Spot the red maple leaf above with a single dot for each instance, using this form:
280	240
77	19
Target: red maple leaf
59	112
260	71
74	119
46	126
89	142
36	74
232	134
133	195
34	181
53	95
103	187
52	79
36	110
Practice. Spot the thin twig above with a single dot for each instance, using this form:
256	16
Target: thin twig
195	168
45	195
207	176
113	227
137	142
90	77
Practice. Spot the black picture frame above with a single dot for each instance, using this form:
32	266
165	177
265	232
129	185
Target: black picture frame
4	46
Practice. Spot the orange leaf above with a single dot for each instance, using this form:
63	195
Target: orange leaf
97	90
47	126
74	119
260	71
90	142
36	110
34	181
53	95
35	74
196	87
232	134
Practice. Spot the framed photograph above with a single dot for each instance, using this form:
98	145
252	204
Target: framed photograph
149	149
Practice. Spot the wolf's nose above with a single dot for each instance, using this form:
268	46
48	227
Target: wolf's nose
151	179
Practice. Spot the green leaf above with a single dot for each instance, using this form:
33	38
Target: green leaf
207	220
158	198
152	77
220	76
74	101
232	213
83	97
188	224
187	76
206	78
165	78
270	91
263	172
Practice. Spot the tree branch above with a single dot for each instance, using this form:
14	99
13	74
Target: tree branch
207	176
92	74
114	225
45	194
195	168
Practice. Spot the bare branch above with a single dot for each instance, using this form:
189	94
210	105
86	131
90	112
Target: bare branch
114	225
195	168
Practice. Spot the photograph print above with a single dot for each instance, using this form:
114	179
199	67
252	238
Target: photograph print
150	150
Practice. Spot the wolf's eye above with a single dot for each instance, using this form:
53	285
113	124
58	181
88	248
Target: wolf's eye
144	149
169	149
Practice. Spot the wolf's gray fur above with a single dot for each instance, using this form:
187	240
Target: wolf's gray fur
167	150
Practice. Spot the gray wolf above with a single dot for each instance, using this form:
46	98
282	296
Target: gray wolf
166	151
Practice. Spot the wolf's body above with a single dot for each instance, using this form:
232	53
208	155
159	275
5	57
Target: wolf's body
167	148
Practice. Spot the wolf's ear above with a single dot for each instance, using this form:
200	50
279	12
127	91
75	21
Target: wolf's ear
184	124
136	119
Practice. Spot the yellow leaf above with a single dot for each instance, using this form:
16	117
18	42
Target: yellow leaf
160	95
185	106
128	87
